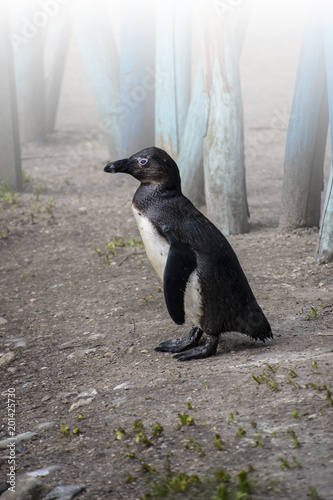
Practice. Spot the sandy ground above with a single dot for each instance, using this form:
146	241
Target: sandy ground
81	325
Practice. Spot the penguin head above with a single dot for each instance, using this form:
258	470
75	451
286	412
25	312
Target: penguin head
149	166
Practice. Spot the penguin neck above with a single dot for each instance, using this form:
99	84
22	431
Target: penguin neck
148	193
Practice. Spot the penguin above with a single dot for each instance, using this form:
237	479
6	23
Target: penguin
203	281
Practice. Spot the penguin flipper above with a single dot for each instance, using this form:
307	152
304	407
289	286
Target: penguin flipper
180	263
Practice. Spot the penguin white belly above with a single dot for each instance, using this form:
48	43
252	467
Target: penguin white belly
193	301
157	248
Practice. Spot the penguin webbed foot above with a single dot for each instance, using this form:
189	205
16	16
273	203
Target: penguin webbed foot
181	344
207	351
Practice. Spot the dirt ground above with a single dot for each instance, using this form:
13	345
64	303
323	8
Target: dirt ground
82	324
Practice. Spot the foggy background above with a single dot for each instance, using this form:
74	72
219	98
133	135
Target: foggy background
268	65
268	68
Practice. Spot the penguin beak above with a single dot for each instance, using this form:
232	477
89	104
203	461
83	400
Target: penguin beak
117	166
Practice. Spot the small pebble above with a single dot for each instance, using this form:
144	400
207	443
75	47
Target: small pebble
64	492
124	385
25	436
6	358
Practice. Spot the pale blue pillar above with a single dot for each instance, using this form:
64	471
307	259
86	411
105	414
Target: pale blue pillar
307	133
137	76
173	72
223	146
10	155
101	59
56	45
325	241
190	158
27	36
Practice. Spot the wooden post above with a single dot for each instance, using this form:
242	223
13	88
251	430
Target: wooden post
324	251
56	45
26	35
10	156
223	147
190	158
93	30
173	72
137	76
307	134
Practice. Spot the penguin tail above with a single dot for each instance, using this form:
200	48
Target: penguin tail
255	324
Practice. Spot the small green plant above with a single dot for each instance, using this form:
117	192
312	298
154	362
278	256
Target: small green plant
243	485
259	443
263	378
120	433
37	191
219	486
133	244
4	235
110	249
157	429
65	430
241	432
313	314
192	444
284	463
98	251
222	476
145	467
273	384
217	442
313	494
147	496
294	438
185	419
138	425
25	178
76	430
178	483
223	492
6	195
231	416
49	210
129	478
273	369
141	437
240	490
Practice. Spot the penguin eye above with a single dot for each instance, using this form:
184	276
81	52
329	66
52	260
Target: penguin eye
143	161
